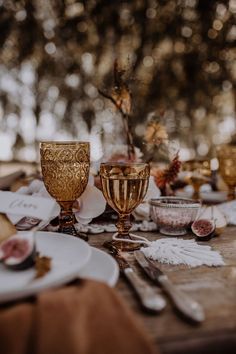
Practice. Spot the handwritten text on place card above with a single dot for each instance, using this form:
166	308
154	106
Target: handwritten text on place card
25	205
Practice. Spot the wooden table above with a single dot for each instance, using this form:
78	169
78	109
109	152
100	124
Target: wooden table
214	288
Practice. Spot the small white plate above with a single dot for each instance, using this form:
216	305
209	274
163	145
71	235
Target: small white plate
69	255
101	267
214	196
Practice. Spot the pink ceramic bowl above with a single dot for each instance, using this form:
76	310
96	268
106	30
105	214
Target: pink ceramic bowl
174	215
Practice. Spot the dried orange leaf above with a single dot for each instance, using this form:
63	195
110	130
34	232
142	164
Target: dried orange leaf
169	174
42	266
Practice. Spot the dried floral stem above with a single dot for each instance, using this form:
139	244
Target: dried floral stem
104	94
125	117
129	136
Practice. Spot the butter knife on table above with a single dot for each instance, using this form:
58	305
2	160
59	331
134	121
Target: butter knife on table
183	302
149	298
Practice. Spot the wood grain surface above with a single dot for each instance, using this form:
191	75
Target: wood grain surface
213	287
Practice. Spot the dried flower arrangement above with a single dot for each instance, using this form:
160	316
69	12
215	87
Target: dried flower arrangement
155	136
120	96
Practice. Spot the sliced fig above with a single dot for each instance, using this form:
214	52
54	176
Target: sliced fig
203	229
216	215
18	252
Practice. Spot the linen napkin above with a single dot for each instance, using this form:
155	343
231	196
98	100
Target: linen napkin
88	318
89	205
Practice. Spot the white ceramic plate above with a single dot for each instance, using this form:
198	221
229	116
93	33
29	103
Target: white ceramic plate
101	267
69	255
214	197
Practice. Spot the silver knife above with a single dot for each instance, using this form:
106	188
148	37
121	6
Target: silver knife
147	295
184	303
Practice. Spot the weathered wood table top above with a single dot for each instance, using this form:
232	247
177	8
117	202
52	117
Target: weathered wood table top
214	288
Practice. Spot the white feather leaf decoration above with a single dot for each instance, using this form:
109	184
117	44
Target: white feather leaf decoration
179	251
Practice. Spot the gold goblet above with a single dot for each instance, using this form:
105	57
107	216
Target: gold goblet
124	186
65	170
199	172
226	155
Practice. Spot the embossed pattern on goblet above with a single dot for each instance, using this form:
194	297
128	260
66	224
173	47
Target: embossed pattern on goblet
124	186
65	170
226	155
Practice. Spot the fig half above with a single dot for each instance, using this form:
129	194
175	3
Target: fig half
18	252
203	229
215	214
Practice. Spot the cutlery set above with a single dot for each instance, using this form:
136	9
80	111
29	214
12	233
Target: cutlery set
150	299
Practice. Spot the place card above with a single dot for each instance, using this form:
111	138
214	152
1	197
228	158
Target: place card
25	205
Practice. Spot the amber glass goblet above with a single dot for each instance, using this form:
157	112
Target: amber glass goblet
226	155
124	186
65	170
199	172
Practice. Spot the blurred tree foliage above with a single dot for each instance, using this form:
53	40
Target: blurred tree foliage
58	53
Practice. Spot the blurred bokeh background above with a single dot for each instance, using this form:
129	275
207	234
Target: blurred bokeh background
56	54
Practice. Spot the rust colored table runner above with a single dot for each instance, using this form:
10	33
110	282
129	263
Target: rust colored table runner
88	318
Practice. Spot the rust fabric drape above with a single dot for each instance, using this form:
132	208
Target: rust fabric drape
88	318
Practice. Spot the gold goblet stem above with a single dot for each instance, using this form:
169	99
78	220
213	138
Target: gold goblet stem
67	220
196	194
66	216
124	225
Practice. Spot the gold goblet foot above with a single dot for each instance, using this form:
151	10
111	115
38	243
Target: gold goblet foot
71	230
123	226
122	246
125	246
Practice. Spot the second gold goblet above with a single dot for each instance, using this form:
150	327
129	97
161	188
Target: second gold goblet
124	186
65	170
199	172
226	155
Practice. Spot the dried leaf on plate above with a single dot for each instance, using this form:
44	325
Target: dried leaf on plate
43	265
